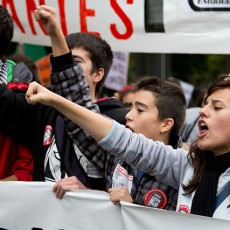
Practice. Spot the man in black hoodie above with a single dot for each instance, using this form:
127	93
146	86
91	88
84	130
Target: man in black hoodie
42	128
95	57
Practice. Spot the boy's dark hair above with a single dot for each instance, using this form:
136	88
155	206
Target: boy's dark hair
170	101
6	31
100	52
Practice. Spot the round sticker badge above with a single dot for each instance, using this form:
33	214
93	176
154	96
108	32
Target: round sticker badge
155	198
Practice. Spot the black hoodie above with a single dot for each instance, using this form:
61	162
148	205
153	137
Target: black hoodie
112	108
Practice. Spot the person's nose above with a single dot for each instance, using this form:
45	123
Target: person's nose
129	115
204	111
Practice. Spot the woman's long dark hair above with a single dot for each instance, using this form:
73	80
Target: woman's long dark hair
197	157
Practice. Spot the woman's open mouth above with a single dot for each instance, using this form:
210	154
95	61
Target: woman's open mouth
203	128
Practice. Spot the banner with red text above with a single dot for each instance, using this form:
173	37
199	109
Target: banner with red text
33	205
186	26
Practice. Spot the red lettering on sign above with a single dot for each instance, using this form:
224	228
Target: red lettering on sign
61	4
13	13
125	20
31	6
84	12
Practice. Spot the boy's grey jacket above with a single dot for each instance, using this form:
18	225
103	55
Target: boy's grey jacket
169	165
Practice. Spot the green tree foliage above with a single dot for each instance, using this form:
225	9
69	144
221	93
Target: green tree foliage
198	69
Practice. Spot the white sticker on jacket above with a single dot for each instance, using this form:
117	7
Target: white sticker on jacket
121	178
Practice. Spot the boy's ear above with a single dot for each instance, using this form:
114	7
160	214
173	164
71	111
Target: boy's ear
167	125
99	74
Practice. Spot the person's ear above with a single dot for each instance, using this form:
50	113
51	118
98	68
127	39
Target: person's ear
167	125
99	74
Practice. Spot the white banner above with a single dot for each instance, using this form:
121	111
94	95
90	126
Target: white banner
116	21
33	205
188	26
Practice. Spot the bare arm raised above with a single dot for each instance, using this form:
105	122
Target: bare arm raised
142	153
47	16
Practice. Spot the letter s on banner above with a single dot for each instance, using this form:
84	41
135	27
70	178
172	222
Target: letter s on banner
124	18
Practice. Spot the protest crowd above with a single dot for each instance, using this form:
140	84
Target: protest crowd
144	145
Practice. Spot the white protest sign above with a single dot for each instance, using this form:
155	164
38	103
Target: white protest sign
118	74
33	205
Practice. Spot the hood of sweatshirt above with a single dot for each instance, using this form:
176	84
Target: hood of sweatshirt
112	108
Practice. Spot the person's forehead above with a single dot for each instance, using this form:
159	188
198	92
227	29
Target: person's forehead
220	95
144	97
142	93
80	52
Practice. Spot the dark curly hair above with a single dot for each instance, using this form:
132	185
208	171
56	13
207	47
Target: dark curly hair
6	31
